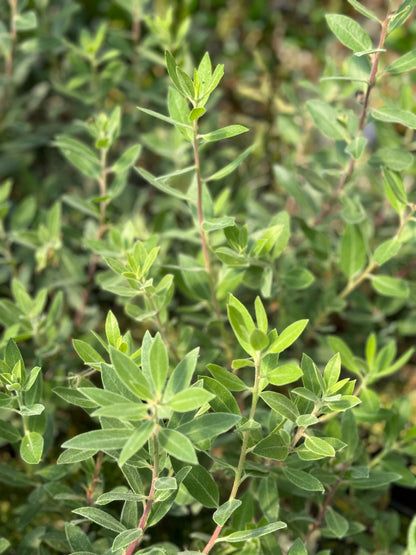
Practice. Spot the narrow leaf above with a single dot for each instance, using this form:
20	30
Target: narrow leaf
224	133
303	480
288	336
100	517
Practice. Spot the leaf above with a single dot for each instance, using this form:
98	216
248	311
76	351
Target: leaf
347	356
78	154
395	159
288	373
223	401
100	517
196	113
319	446
253	533
31	447
100	439
395	115
241	322
364	11
349	32
281	404
25	21
261	315
190	399
209	426
201	485
411	536
386	251
297	547
127	159
376	480
136	441
168	119
214	224
337	524
177	445
226	378
326	119
332	371
224	133
258	340
182	375
71	456
272	447
349	433
8	432
158	363
288	336
111	496
77	539
400	16
229	168
171	67
353	254
303	480
356	147
87	353
161	185
125	538
223	513
130	374
390	287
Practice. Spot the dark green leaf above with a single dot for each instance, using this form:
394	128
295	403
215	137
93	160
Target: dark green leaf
303	480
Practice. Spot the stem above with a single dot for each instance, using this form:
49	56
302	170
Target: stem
351	164
150	498
204	242
92	267
238	479
13	35
95	478
325	506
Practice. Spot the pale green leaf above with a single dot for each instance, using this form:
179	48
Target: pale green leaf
31	447
288	336
349	32
390	286
253	533
224	133
100	517
326	119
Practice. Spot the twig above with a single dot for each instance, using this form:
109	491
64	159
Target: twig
351	164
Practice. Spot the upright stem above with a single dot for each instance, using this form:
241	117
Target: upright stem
92	267
318	522
150	498
199	200
243	454
204	241
363	118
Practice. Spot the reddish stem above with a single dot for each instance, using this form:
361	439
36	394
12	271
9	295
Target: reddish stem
351	164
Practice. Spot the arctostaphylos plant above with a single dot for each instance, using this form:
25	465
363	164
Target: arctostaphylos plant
245	335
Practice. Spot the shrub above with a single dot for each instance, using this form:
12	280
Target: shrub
207	341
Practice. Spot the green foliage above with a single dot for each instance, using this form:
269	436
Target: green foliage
212	353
